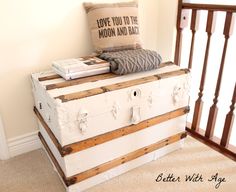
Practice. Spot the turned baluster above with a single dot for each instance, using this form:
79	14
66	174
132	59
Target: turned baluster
229	120
182	22
199	103
194	27
214	109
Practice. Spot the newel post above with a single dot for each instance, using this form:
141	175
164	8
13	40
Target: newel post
182	22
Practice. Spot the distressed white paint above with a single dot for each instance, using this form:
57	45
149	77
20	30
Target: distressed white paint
92	181
84	118
66	120
84	160
166	95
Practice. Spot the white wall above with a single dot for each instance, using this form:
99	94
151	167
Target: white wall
35	32
167	17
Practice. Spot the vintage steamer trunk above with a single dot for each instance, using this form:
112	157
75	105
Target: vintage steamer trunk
97	127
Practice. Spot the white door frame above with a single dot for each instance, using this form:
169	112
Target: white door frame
4	153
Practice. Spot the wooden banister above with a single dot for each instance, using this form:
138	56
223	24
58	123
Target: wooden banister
214	109
199	103
194	28
220	144
178	44
209	7
229	120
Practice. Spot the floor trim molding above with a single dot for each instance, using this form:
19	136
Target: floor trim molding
4	153
23	144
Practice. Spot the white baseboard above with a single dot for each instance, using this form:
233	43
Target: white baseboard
4	153
23	144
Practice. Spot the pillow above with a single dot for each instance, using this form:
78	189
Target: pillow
114	26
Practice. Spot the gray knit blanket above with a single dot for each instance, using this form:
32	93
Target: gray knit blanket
131	61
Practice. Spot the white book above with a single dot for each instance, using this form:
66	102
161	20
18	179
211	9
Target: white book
86	73
76	68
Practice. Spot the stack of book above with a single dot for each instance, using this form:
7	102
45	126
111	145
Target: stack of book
81	67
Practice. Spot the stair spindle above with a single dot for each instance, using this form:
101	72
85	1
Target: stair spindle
194	27
210	28
182	22
229	120
214	109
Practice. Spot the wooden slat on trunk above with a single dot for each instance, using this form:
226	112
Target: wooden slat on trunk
93	78
80	81
97	140
49	132
117	86
126	158
113	163
49	77
55	162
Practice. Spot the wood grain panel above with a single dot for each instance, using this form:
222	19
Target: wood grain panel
81	81
55	162
49	77
49	132
97	140
93	78
117	86
113	163
126	158
81	94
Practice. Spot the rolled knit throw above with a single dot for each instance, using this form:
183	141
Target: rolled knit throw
131	61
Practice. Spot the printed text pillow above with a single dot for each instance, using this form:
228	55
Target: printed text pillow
114	26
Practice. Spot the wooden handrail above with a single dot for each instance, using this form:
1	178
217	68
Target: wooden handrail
220	144
209	7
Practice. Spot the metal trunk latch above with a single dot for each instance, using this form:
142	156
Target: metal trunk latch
83	121
135	115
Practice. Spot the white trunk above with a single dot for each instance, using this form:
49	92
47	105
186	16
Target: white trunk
76	120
